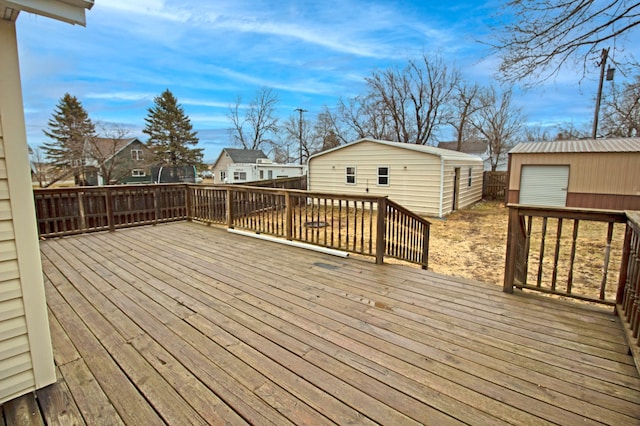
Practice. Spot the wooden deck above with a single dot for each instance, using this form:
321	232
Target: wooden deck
188	324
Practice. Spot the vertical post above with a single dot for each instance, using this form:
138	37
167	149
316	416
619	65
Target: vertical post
381	230
624	265
288	216
188	201
156	204
110	216
512	250
83	219
229	208
425	247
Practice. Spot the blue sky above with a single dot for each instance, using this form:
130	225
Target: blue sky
210	52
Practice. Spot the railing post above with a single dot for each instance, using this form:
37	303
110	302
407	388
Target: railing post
82	218
188	202
624	265
288	216
156	204
381	230
229	208
425	247
110	217
512	250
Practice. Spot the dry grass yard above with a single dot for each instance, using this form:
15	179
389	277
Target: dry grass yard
471	243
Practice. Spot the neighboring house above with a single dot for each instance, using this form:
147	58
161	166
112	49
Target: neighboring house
479	148
118	161
26	357
587	173
263	169
427	180
230	156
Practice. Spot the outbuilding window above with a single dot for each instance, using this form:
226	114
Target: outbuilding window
138	173
470	176
239	175
383	176
350	175
223	176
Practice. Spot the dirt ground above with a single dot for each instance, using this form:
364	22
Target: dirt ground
471	243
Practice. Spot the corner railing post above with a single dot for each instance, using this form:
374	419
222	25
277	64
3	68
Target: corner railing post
624	265
512	250
425	247
381	230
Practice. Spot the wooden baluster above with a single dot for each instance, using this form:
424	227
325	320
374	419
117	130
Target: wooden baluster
572	256
605	266
543	237
556	256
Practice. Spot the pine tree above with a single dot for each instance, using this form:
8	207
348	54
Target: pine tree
70	131
170	132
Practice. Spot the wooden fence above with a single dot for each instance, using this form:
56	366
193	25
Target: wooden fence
371	226
494	185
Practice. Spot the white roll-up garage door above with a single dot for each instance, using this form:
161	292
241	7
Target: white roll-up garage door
544	185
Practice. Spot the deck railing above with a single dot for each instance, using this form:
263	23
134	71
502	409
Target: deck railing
577	253
628	296
371	226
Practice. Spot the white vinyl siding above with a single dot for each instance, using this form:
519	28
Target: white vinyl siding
544	185
414	177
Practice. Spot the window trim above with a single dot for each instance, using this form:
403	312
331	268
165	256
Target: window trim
470	179
387	176
354	175
138	154
138	173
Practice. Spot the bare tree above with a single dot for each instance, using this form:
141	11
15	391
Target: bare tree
259	123
360	117
540	36
622	112
465	104
499	122
308	142
39	167
415	98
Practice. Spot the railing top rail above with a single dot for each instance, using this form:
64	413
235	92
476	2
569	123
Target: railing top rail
601	215
104	188
407	212
245	188
634	217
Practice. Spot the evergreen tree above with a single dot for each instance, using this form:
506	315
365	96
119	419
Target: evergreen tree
70	131
170	132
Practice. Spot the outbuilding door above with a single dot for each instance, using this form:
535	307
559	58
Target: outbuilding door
544	185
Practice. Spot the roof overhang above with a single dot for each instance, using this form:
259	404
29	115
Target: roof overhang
70	11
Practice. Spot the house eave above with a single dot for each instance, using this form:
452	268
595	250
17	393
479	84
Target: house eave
70	11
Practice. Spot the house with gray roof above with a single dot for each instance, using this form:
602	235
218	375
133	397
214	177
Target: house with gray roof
230	156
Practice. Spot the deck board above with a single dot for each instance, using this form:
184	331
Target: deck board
184	323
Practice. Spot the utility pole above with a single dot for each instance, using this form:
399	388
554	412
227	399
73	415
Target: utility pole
300	110
603	61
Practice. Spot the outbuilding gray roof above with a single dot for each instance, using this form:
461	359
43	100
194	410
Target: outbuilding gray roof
445	154
579	145
244	155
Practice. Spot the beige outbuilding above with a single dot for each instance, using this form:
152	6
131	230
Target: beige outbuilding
427	180
26	358
586	173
